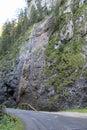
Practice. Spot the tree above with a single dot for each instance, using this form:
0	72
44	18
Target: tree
45	9
12	30
39	11
55	10
25	21
6	38
33	15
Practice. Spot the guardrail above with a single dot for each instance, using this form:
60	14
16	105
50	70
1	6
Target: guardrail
27	106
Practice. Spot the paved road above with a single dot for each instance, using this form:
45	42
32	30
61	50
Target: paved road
51	121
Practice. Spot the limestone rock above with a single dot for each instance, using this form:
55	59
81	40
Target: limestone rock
27	81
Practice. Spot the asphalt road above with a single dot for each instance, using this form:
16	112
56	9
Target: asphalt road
51	121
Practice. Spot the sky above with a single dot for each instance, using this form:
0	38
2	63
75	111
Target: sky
8	9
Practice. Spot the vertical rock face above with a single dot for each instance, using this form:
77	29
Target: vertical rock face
33	82
72	30
32	75
51	72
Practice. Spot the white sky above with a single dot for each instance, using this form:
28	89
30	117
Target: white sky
8	9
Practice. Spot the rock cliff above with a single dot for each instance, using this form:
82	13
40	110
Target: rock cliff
50	70
32	75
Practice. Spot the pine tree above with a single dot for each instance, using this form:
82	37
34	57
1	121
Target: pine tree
6	38
40	11
34	15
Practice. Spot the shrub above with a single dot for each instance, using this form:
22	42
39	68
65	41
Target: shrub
10	123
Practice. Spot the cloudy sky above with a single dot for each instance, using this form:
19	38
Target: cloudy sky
8	9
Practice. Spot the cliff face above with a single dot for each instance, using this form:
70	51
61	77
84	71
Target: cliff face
56	71
50	72
66	57
32	77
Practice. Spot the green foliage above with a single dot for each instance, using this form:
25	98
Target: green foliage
62	2
37	14
80	11
33	15
14	35
40	12
8	59
55	97
84	73
55	10
65	63
81	110
12	30
66	93
10	123
45	10
6	39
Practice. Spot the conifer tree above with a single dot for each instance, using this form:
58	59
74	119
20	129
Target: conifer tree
40	11
33	15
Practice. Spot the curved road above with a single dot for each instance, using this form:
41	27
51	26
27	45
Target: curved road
51	121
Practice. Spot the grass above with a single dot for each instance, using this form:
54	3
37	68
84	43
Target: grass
11	123
81	110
